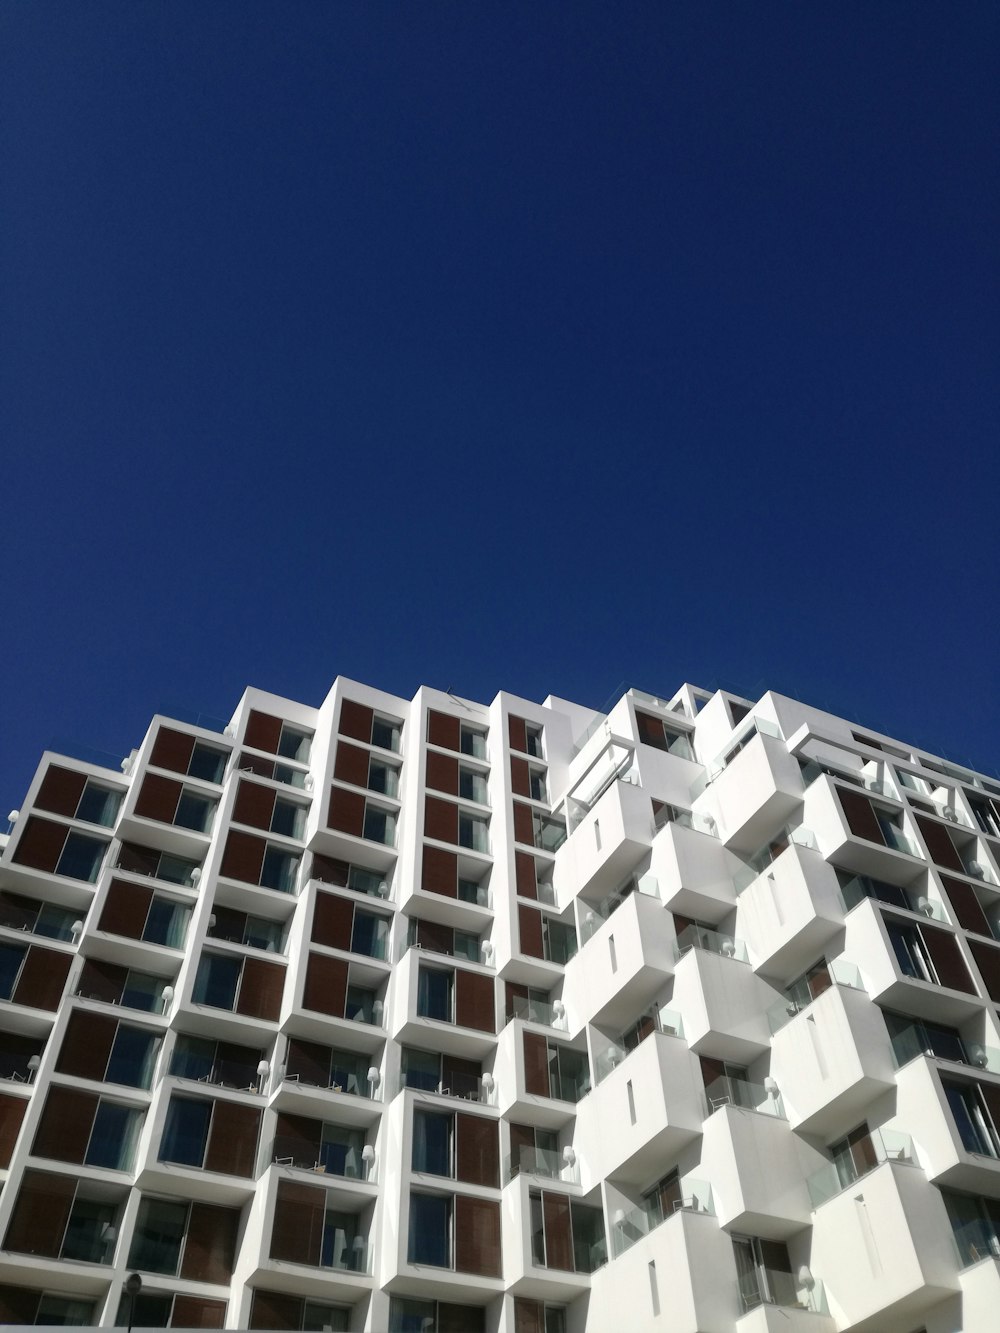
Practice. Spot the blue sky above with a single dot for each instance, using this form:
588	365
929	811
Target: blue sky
500	345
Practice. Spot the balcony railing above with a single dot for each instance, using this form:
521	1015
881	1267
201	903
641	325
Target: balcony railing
756	865
537	1011
838	972
910	1042
695	1196
861	1158
548	1162
770	1286
593	918
712	941
975	1240
760	727
654	1020
860	887
762	1097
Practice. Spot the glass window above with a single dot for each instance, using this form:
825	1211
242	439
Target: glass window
421	1069
385	734
158	1236
472	786
288	818
411	1316
473	832
11	958
383	778
147	1310
133	1055
261	934
112	1139
430	1230
166	923
471	891
55	923
370	934
176	870
294	744
361	1004
194	812
207	764
217	980
81	857
550	833
466	946
972	1119
379	825
64	1310
319	1317
434	995
911	952
193	1057
279	870
432	1141
86	1237
340	1151
533	737
536	784
142	991
185	1132
473	742
99	805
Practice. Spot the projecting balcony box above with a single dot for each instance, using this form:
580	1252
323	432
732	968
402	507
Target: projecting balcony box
757	792
757	1178
911	964
653	1101
623	965
681	1275
538	1079
884	1248
438	1006
953	1112
173	816
862	832
693	869
830	1057
553	1242
315	1080
606	845
723	1001
790	912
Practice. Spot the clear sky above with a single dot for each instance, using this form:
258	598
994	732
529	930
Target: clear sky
522	345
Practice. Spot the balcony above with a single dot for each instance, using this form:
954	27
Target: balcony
757	1175
606	845
789	911
654	1020
549	1164
954	1115
628	1228
623	965
756	792
858	1159
694	870
721	997
775	1297
871	840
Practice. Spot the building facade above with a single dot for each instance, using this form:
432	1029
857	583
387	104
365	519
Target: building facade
511	1018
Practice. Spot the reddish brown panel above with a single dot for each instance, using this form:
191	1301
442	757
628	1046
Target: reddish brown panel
520	776
263	732
232	1139
298	1137
243	857
351	765
522	1138
333	920
197	1312
43	978
325	990
347	811
330	871
64	1128
12	1111
102	981
558	1231
255	764
529	1316
966	906
210	1248
442	773
711	1069
19	1305
524	875
40	1214
444	730
439	873
939	845
309	1061
254	805
460	1318
433	935
988	961
477	1150
477	1236
440	820
859	815
991	1094
262	986
158	797
650	731
40	845
125	909
60	791
524	829
459	1074
947	959
516	996
275	1310
536	1064
529	928
475	1004
356	721
299	1216
87	1045
517	733
136	860
172	750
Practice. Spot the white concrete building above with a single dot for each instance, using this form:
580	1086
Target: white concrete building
512	1018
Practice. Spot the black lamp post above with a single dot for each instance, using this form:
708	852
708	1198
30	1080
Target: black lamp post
133	1285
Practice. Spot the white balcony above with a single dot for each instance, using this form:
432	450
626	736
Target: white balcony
922	1104
899	862
695	872
755	794
623	965
606	845
756	1174
724	1004
790	912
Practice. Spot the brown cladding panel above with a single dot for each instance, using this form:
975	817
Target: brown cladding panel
275	1310
158	797
64	1128
529	1316
232	1139
299	1137
356	721
12	1111
43	978
524	829
310	1061
650	730
442	773
254	805
477	1150
333	920
987	959
966	906
947	958
529	928
325	991
299	1216
433	935
558	1231
19	1305
197	1312
60	791
514	992
347	811
351	765
210	1248
939	845
517	734
439	872
520	777
40	1214
477	1236
243	857
136	860
536	1064
475	1001
328	870
261	989
991	1093
263	732
40	844
87	1045
444	730
125	909
460	1318
440	820
524	874
102	981
859	815
172	750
